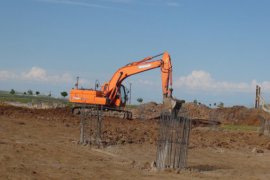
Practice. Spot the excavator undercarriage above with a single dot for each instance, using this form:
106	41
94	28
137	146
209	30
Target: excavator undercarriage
107	111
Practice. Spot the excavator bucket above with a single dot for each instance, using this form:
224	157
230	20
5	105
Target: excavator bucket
172	105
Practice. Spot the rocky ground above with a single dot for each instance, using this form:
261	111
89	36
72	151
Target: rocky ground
43	144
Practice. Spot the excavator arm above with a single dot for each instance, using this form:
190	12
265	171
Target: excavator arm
111	88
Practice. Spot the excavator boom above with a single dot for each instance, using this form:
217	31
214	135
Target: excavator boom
111	88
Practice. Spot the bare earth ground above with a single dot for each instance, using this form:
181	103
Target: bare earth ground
42	144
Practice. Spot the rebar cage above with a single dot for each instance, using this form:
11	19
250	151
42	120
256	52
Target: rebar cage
173	141
91	125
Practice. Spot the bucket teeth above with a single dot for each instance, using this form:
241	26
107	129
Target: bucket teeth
171	104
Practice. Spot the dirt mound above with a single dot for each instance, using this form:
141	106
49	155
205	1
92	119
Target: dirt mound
147	111
205	137
194	111
55	114
238	115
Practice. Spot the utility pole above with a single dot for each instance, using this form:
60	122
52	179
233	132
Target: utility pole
130	84
77	83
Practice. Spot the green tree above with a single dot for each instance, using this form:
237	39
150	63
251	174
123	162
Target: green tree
30	92
37	93
140	100
12	91
64	94
221	105
141	108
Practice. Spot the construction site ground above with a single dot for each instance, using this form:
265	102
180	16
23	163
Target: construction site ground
43	144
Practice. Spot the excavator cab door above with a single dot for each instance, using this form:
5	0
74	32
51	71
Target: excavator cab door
123	94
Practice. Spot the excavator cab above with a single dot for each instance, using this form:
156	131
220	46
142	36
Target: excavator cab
123	95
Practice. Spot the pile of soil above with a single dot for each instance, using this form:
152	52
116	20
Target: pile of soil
205	137
237	115
147	111
55	114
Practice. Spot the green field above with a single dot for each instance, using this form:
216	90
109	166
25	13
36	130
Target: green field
239	128
5	96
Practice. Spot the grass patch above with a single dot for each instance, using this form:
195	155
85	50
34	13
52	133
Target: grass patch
21	98
132	106
241	128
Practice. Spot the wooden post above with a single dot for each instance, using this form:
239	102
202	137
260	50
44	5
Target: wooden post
256	97
258	94
77	83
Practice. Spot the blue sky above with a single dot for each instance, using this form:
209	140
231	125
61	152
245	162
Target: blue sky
219	48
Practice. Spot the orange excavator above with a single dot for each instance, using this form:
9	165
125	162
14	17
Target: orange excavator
113	95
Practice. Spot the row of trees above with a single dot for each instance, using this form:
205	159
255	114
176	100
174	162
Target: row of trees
219	105
31	93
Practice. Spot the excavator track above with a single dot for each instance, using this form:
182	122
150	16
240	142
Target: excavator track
107	111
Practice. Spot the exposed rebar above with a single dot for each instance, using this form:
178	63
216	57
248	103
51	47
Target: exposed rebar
173	140
91	126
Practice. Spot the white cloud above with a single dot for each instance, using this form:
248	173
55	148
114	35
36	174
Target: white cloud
36	74
5	75
196	81
200	80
